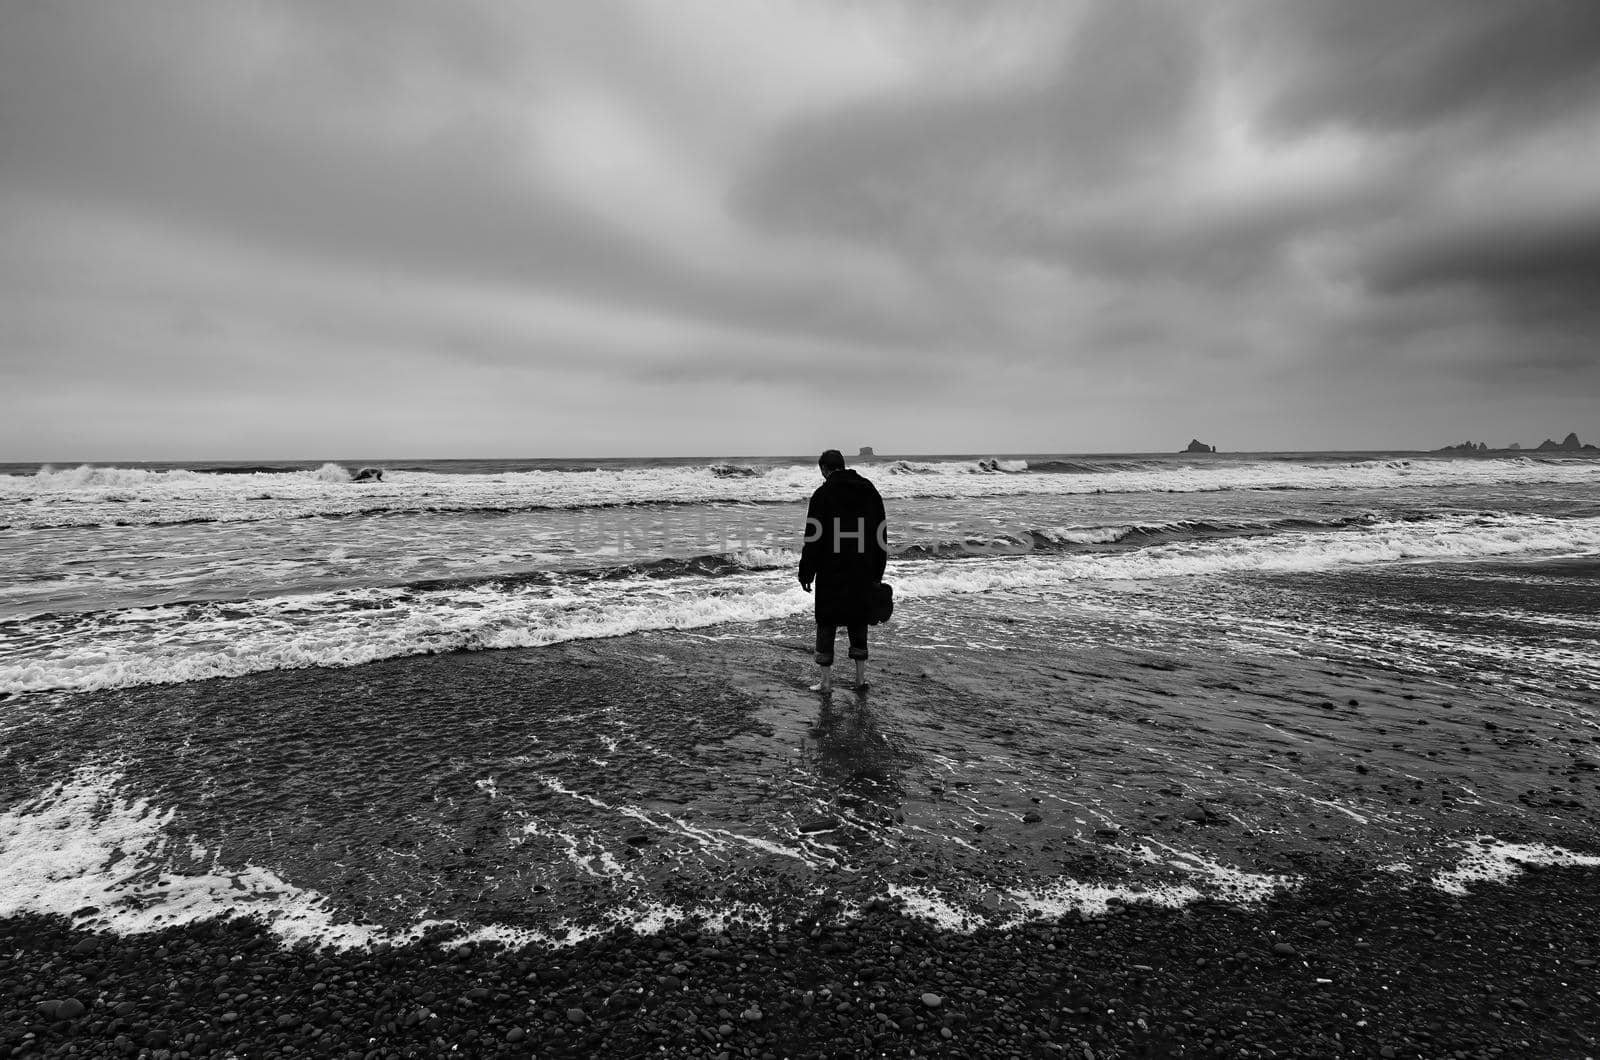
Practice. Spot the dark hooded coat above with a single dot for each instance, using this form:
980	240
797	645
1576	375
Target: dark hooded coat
846	547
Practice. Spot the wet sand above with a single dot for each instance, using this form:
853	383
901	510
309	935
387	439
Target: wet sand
550	786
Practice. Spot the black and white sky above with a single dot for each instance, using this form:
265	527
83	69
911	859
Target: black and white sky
326	228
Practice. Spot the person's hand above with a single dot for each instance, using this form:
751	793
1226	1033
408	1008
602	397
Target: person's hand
806	585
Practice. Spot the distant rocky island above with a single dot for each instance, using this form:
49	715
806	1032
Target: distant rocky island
1197	446
866	450
1568	444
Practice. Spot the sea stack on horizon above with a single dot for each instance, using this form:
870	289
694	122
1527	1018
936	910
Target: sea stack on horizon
866	450
1197	446
1567	444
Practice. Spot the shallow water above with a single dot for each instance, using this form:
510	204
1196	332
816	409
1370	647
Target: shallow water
553	792
1082	697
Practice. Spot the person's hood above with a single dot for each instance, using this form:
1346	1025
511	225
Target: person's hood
846	480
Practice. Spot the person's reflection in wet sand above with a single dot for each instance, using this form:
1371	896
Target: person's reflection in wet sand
855	759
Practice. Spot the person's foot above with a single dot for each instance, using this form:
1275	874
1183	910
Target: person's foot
824	687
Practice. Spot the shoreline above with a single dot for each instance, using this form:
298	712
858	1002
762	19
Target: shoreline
557	791
1348	965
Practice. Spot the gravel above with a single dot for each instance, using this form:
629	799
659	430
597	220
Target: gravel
1350	965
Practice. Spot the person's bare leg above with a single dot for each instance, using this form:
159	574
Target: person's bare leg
825	686
861	674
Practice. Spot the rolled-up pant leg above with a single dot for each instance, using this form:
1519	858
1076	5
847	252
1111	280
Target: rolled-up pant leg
825	635
825	638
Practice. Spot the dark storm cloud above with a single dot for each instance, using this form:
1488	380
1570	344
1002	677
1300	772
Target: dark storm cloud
1536	281
1110	171
1092	168
1401	66
1449	88
1552	263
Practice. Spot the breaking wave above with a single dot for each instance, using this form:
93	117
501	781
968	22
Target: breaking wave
734	471
352	626
104	496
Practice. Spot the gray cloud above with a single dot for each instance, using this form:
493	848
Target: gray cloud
936	173
1103	215
1400	66
293	159
1554	265
1535	282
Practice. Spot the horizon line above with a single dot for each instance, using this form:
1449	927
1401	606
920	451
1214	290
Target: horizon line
876	456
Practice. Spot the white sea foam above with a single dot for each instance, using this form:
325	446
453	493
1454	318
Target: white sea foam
1085	535
84	845
1490	860
103	495
1457	537
88	850
85	850
914	467
87	480
1050	899
760	558
926	903
1234	885
350	627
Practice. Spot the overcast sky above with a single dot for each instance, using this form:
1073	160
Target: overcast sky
351	229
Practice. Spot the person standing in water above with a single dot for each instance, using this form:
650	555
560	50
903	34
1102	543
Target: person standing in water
846	549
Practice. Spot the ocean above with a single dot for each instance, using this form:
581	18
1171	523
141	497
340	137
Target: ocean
531	700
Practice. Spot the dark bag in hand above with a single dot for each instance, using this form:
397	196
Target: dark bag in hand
881	604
